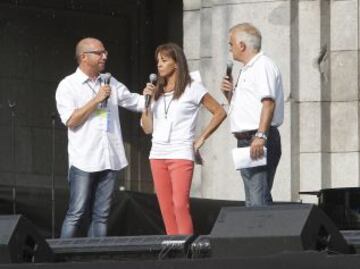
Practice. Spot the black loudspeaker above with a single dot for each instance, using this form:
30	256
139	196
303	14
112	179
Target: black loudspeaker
147	247
342	205
256	231
20	242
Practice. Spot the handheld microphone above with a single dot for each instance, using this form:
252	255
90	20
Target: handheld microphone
152	79
106	80
229	67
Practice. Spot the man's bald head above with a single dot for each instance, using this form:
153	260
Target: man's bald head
86	44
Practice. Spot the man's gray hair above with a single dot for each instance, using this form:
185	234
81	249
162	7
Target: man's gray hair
247	33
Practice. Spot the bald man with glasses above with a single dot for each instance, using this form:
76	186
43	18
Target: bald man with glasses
88	106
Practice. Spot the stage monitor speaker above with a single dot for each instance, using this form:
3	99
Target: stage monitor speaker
20	242
145	247
256	231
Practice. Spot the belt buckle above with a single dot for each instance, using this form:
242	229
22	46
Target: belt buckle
245	135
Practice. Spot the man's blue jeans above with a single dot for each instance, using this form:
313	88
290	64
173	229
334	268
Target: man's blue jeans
258	181
90	193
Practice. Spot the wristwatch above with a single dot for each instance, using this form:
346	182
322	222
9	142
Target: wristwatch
261	135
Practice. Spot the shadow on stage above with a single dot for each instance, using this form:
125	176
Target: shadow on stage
132	213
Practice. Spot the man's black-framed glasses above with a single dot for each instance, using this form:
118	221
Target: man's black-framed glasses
98	52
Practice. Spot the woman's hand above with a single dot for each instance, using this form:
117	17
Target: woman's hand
198	143
149	89
148	93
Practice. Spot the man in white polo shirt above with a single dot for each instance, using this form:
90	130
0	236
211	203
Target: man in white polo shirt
87	102
256	110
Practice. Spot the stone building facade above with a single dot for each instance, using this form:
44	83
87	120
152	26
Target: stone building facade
316	46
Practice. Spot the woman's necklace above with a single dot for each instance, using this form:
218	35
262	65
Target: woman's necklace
167	106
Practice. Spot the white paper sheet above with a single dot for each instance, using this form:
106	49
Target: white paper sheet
242	159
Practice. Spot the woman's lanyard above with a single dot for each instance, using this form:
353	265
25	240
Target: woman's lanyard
167	107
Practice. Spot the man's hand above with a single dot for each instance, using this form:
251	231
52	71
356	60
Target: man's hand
103	93
227	87
257	148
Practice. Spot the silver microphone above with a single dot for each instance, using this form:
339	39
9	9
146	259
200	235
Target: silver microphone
152	79
105	78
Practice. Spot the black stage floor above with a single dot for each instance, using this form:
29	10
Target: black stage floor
286	260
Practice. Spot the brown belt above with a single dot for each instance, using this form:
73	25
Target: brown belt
245	135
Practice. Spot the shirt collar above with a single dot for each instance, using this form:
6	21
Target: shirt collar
82	77
253	60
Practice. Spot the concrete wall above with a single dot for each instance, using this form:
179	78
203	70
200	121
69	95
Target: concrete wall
316	46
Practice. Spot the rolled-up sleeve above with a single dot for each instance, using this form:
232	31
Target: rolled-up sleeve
64	102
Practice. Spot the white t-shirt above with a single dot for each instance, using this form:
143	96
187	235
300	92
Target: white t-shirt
259	79
174	122
96	144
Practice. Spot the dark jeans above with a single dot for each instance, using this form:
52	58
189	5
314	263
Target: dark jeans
258	181
89	193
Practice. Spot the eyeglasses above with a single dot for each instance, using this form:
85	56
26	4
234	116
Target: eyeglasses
98	52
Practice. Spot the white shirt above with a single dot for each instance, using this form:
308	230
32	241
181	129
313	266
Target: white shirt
96	144
174	122
260	78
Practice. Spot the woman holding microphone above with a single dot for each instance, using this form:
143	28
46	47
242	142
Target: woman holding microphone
171	119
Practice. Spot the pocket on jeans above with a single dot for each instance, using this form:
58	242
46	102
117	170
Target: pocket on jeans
74	171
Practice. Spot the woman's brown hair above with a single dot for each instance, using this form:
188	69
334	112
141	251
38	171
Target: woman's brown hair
183	78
